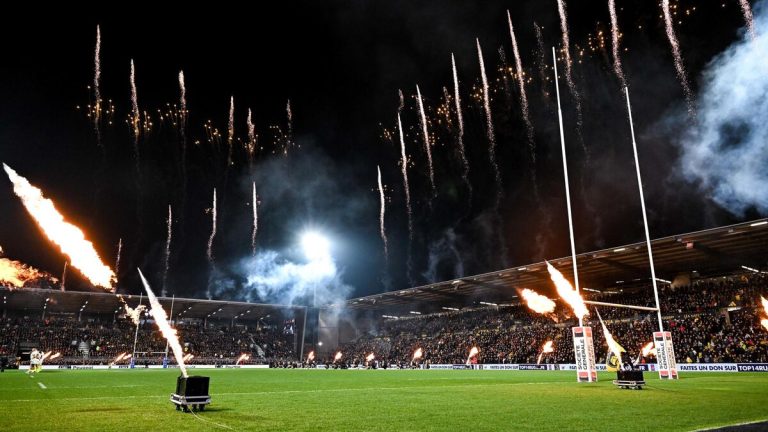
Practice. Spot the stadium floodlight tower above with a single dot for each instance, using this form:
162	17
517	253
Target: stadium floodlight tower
583	347
665	352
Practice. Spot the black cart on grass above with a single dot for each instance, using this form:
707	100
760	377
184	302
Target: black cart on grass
191	393
629	379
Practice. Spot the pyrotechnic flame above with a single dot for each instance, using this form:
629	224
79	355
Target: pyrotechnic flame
241	358
17	274
213	228
370	357
679	67
537	302
567	293
615	43
460	118
310	356
764	322
161	319
68	237
748	19
120	357
134	314
547	348
47	354
418	354
613	346
521	85
489	125
427	141
472	352
55	356
648	350
127	357
383	203
255	230
337	357
188	357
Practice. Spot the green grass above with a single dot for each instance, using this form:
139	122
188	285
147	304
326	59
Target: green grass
346	400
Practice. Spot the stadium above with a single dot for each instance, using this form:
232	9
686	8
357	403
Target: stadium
386	216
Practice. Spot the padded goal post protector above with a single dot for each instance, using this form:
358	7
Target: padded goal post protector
584	352
665	355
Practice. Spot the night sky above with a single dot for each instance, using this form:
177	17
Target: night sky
341	64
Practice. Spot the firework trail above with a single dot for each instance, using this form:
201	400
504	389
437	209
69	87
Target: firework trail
230	130
255	220
460	138
541	59
251	145
401	105
381	213
289	116
117	259
569	73
521	85
427	143
135	119
213	229
64	276
97	85
615	46
679	67
489	121
404	167
161	319
183	126
168	249
747	12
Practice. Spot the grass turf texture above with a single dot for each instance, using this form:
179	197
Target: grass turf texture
342	400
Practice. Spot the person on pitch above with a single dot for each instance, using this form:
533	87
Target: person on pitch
35	359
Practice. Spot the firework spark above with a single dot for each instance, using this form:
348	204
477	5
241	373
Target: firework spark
648	350
119	254
255	204
401	105
289	118
566	41
613	346
251	145
615	34
567	293
748	19
182	100
489	126
537	302
209	251
337	357
168	248
97	85
161	319
68	237
541	58
547	348
427	142
241	358
133	313
521	85
383	201
460	137
230	130
679	66
310	356
404	168
135	113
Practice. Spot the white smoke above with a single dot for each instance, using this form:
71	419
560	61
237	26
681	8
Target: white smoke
726	151
271	277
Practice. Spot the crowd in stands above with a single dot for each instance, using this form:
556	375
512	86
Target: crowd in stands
703	328
93	341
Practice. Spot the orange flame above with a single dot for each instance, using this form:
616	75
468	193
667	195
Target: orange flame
764	322
418	354
47	354
337	357
370	357
537	302
547	348
648	350
134	314
120	357
17	274
310	356
68	237
241	358
473	352
613	346
55	356
567	293
127	356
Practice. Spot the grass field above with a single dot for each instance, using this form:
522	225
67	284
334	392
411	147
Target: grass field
345	400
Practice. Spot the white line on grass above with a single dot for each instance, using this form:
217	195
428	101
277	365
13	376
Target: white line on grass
731	425
42	386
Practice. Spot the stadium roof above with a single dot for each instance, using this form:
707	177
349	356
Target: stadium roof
33	300
711	252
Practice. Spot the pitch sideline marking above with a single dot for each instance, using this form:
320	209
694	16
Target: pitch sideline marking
42	386
731	425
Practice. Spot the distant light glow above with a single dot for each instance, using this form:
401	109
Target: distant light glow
316	247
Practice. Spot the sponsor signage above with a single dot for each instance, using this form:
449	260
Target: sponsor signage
665	355
752	367
585	354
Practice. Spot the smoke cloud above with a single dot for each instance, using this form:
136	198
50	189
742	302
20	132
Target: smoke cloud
726	151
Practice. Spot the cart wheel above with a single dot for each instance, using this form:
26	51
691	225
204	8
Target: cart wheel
186	409
178	408
194	407
202	407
